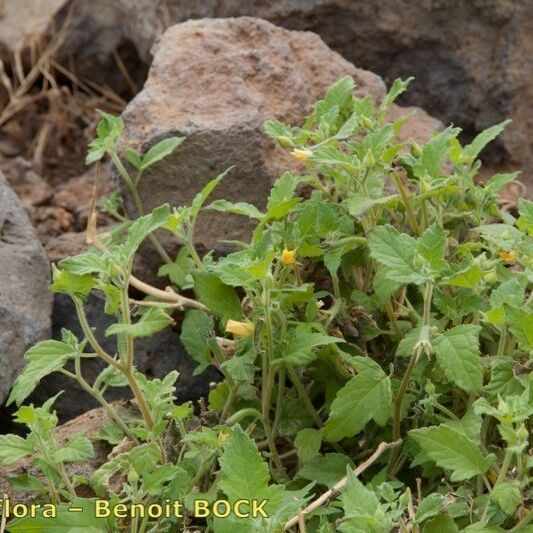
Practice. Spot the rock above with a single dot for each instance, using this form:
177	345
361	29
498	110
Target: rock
472	61
155	356
91	32
75	195
25	302
261	72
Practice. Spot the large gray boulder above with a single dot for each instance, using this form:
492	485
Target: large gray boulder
25	302
215	82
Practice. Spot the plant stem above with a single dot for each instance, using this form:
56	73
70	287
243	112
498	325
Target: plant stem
396	422
503	341
138	205
88	332
139	397
406	202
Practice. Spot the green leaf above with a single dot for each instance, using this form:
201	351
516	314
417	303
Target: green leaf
431	246
307	444
27	483
521	326
42	359
396	251
78	448
430	506
160	150
239	208
326	470
457	353
301	341
452	450
339	94
358	205
133	157
362	510
525	210
14	448
199	200
507	495
196	329
179	271
365	397
152	321
498	181
221	299
144	226
482	139
398	87
243	473
441	524
73	284
467	278
282	190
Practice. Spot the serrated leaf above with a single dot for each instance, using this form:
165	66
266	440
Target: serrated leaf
152	321
365	397
525	210
431	245
301	342
507	495
339	94
395	251
196	329
160	150
243	473
521	326
238	208
144	226
199	200
14	448
78	448
457	353
358	205
498	181
73	284
482	139
307	444
325	470
220	298
42	359
452	450
362	509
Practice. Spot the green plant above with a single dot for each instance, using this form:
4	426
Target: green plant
379	316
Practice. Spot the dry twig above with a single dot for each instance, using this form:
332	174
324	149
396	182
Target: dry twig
384	446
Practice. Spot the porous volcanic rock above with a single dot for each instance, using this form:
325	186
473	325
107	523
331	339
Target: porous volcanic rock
215	82
25	302
472	61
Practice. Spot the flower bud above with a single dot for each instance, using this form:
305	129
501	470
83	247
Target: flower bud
284	141
369	161
416	150
366	122
301	154
491	277
288	257
240	329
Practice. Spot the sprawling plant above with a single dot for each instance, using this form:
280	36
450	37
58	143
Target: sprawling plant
374	339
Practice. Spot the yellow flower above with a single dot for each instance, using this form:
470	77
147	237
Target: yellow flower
240	329
509	257
301	154
288	257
